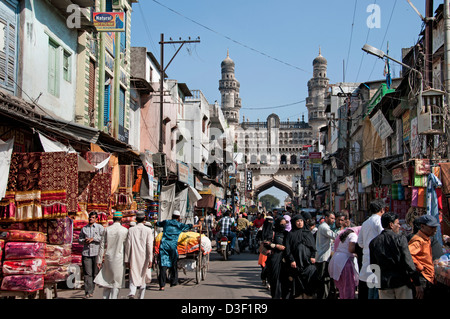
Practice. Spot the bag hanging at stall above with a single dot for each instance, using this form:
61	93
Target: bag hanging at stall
420	180
421	197
422	166
414	196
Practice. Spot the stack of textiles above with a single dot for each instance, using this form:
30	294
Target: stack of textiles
24	266
77	248
2	247
58	259
58	253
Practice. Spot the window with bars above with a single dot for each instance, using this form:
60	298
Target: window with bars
8	44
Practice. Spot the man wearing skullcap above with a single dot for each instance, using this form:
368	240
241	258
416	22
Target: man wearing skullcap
139	255
111	254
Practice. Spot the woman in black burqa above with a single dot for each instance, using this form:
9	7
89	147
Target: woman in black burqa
299	257
274	271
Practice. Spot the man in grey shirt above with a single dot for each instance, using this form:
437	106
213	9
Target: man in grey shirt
91	236
324	239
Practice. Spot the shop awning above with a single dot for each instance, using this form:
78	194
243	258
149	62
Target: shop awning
207	201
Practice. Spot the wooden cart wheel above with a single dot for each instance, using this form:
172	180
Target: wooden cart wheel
198	268
205	265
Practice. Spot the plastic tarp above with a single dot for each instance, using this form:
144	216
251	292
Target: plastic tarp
207	201
188	242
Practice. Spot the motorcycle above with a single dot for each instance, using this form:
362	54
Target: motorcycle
224	247
253	245
242	241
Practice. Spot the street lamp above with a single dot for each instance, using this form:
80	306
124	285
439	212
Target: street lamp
380	54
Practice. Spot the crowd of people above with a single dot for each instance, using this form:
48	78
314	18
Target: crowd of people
109	252
332	258
300	255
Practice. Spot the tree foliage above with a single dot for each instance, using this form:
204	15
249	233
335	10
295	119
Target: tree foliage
269	201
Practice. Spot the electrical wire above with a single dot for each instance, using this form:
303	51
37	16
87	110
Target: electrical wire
231	39
384	37
351	37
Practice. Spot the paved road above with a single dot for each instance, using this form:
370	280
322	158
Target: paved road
236	278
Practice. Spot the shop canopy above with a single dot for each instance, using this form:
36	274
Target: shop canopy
207	201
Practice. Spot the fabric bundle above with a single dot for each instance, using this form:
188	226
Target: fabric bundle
28	283
60	231
56	273
99	195
8	207
28	205
24	180
25	235
72	182
24	266
53	184
58	255
37	225
94	190
34	266
77	248
124	194
23	250
2	246
188	242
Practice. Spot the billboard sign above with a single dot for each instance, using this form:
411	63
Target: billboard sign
109	21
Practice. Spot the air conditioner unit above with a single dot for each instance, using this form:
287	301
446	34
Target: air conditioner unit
431	112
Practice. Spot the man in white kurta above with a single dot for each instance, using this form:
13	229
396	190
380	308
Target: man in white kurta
111	254
139	255
370	229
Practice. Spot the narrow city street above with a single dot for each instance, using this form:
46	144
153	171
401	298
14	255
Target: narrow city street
236	278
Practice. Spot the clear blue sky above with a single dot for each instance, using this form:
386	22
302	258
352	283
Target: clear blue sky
273	44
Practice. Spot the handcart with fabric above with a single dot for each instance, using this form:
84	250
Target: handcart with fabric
193	253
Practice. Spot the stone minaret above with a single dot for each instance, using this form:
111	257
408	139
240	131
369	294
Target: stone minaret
229	90
317	90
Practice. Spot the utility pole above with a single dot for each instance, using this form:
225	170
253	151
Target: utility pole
447	68
161	84
428	44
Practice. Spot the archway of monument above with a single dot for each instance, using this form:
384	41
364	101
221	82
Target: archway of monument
273	183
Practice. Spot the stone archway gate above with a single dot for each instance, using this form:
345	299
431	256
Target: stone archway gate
281	176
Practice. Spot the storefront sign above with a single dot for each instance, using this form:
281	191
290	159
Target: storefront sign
381	125
397	174
406	126
366	175
249	181
109	21
198	184
185	173
315	157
